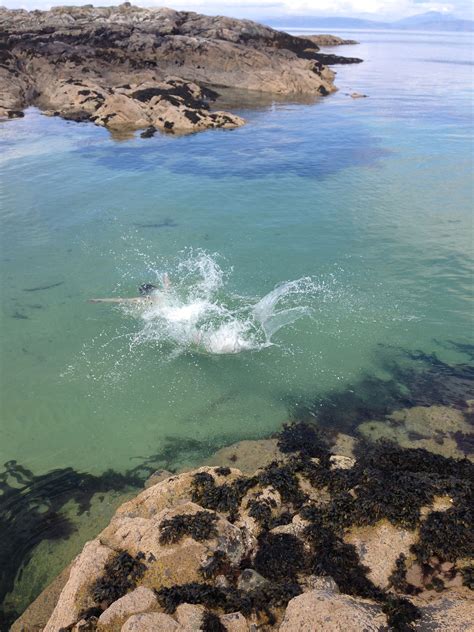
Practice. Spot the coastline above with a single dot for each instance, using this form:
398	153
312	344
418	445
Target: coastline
265	503
404	569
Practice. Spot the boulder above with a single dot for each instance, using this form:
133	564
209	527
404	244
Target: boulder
189	616
75	596
379	546
234	622
151	622
447	614
139	600
325	610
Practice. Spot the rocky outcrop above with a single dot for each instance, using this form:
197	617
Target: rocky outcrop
311	540
129	68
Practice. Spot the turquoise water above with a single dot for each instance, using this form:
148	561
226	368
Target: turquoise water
366	202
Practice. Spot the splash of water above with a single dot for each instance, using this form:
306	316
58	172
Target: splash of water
194	313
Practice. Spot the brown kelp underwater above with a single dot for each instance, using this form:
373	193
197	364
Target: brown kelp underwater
387	481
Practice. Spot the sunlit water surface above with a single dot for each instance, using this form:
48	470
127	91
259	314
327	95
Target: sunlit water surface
357	210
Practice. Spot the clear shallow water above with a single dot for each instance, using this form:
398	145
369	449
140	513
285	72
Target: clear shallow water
369	200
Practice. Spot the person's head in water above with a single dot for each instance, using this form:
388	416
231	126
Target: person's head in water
146	289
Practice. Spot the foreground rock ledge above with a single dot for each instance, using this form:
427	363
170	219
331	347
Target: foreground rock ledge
214	549
129	68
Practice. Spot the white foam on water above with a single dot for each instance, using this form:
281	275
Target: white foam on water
195	314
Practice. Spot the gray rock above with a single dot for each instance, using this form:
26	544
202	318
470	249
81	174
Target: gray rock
250	579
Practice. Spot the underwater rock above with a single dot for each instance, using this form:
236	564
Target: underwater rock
157	477
37	615
324	610
250	580
248	456
434	428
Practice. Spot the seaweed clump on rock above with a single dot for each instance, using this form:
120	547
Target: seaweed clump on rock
446	535
121	575
211	622
229	599
225	498
280	555
200	526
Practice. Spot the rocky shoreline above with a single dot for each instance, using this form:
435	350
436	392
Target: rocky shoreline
128	68
323	534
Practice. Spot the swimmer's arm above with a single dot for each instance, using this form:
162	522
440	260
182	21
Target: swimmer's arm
120	301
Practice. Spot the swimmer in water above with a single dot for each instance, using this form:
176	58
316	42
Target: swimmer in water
148	294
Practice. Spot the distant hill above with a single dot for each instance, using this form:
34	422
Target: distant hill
435	21
430	21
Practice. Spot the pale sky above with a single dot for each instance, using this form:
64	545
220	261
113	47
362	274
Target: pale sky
371	9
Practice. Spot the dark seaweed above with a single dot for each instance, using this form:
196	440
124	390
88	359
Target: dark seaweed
216	564
468	577
446	535
261	510
398	578
280	556
401	613
282	477
222	471
228	599
211	623
121	575
304	438
224	498
200	526
42	287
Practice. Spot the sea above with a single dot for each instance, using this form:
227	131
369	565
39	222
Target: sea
315	264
